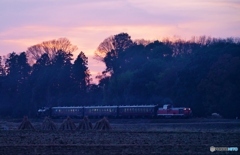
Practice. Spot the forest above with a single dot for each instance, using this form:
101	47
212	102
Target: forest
202	73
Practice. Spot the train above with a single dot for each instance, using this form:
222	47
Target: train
125	111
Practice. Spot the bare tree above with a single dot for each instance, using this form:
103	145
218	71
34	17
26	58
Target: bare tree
104	47
50	47
114	44
142	42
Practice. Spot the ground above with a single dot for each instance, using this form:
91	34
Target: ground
127	137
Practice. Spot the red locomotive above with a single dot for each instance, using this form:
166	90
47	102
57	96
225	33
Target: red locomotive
169	111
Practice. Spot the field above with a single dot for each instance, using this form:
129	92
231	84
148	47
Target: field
130	137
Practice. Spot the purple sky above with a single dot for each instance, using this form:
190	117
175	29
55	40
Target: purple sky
86	23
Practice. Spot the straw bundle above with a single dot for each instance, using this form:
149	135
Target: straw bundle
67	124
26	124
103	124
48	124
85	124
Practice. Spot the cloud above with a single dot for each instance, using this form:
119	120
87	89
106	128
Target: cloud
87	23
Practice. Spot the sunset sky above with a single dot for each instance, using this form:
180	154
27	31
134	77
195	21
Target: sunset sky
86	23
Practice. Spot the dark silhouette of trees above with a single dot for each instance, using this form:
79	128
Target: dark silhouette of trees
201	73
221	86
121	42
16	84
80	72
176	70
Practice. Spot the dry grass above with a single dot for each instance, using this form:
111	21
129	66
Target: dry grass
113	142
132	138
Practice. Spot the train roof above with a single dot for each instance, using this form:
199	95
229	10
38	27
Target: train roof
137	106
67	107
100	106
107	106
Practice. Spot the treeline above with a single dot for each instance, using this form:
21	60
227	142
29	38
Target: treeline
202	73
